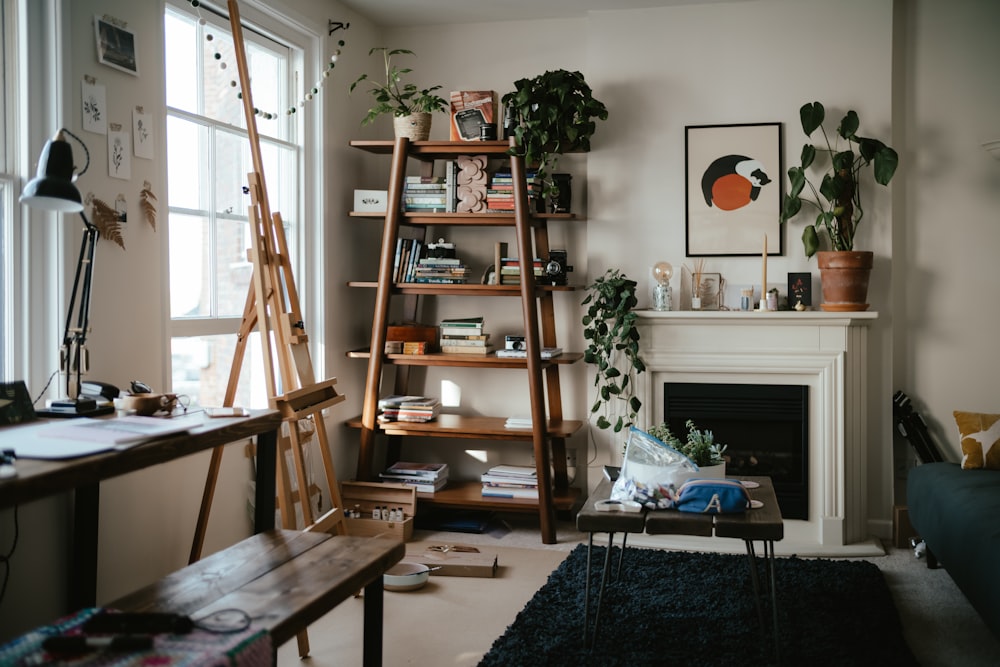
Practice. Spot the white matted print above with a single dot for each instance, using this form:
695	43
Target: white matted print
119	153
115	45
142	134
93	100
733	188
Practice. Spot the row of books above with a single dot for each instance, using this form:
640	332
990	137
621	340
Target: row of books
442	194
510	481
404	408
464	336
426	478
428	195
409	265
500	193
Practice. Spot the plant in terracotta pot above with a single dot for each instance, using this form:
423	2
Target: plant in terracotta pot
410	106
838	200
549	114
609	327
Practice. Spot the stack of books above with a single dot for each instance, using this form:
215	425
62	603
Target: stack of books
464	336
510	481
510	270
426	478
546	353
447	270
517	422
500	193
401	408
425	194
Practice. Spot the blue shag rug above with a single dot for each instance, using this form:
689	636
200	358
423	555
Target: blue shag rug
678	608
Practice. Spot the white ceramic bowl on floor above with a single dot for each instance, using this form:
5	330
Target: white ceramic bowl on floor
405	576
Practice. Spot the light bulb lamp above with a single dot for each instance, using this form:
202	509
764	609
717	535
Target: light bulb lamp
54	189
662	297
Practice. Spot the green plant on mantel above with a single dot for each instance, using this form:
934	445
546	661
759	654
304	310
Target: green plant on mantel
552	113
394	97
700	445
838	198
609	327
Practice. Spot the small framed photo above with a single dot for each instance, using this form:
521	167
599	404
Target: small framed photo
710	291
799	289
733	189
115	46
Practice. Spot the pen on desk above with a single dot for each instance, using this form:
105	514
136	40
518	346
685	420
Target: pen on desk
84	643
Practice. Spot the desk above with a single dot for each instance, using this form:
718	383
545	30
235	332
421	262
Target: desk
40	478
764	524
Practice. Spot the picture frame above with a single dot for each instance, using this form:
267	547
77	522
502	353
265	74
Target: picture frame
800	289
710	291
733	189
115	45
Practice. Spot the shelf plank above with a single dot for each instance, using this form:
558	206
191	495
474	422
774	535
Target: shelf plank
480	428
467	289
470	495
458	219
474	361
437	150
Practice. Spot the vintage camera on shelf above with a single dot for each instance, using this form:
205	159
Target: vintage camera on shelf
555	269
441	250
514	343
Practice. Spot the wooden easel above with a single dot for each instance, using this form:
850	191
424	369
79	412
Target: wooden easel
272	307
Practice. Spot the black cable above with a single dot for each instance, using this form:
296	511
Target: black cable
5	558
42	392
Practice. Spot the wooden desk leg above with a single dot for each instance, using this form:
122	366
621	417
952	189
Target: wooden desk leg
372	656
264	489
82	569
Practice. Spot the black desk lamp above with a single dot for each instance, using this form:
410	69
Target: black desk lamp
53	189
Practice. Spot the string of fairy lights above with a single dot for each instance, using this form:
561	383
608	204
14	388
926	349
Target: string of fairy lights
233	83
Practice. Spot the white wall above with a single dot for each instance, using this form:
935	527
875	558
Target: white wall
657	70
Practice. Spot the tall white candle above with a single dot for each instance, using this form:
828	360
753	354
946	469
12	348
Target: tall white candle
763	281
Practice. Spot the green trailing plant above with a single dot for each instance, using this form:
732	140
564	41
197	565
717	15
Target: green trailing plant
394	97
700	446
552	113
838	198
609	327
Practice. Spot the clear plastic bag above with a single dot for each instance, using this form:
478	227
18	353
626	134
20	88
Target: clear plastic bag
652	472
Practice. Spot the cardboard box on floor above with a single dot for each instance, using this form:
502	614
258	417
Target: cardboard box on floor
454	560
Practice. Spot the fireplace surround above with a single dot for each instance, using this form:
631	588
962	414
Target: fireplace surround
824	352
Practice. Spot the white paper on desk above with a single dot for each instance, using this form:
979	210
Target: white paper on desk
84	436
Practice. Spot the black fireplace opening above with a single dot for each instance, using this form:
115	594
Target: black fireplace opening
765	429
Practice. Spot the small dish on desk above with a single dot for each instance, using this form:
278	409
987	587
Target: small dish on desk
405	576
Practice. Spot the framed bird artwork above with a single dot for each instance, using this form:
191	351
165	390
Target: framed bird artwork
733	189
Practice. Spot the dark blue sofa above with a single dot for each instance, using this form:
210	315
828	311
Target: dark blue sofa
957	514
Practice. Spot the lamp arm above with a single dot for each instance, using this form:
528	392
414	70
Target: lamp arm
74	339
86	154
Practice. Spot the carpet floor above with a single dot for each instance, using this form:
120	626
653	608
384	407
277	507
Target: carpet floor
684	608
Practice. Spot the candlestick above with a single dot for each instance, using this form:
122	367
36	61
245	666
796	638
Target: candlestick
763	282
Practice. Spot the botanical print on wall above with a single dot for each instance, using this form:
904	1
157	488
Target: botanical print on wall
119	153
142	133
94	107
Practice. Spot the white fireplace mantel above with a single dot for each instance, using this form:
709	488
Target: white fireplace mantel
826	351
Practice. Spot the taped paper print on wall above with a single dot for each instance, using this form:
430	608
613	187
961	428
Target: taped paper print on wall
733	188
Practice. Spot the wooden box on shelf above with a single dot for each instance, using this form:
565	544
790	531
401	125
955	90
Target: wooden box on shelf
366	496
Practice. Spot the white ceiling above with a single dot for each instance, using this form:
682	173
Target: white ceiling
430	12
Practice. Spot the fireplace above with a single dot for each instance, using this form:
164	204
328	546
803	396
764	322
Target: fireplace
822	358
765	429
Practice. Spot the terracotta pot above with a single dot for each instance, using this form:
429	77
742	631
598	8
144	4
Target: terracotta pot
415	127
844	275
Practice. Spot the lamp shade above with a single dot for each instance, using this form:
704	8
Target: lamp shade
52	188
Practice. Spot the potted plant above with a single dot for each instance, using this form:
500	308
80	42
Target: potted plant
410	106
700	446
838	203
609	327
549	114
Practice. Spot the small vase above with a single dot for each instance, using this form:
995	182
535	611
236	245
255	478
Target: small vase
696	303
717	471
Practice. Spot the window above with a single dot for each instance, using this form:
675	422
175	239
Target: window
208	159
8	188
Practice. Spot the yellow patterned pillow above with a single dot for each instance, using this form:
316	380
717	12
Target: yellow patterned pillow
980	439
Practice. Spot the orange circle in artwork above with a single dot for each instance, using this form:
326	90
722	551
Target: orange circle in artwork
731	192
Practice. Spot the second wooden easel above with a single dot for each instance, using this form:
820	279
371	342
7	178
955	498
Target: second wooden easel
272	307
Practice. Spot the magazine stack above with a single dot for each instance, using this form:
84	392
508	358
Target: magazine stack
510	481
426	478
400	408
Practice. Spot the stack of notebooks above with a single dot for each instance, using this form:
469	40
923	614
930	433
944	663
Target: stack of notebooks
464	336
545	353
444	270
426	478
510	481
400	408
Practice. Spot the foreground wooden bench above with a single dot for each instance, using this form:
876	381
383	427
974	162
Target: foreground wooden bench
284	580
